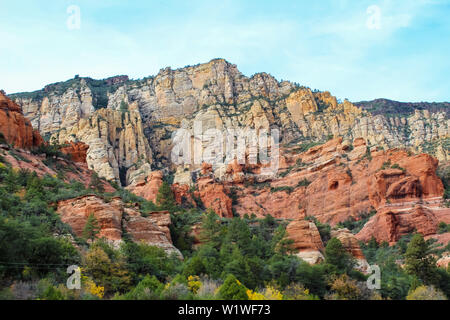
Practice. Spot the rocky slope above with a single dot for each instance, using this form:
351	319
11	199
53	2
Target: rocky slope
115	218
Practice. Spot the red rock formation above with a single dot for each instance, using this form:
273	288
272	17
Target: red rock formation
182	194
15	128
163	221
148	190
391	223
214	197
235	172
349	242
443	238
75	213
76	150
306	240
335	182
152	230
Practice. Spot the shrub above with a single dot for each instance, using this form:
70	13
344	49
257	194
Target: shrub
148	288
303	183
91	229
287	189
96	183
336	255
419	262
298	292
443	228
176	291
165	198
112	275
232	289
208	288
345	289
426	293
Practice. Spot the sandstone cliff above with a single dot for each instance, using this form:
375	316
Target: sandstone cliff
15	128
128	124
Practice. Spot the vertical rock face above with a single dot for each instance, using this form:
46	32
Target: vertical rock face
391	223
334	183
309	246
75	213
15	128
117	145
114	218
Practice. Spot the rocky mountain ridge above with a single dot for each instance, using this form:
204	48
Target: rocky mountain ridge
394	192
128	124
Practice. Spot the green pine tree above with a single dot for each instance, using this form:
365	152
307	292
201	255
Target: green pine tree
212	230
96	183
165	198
419	262
91	229
232	289
336	255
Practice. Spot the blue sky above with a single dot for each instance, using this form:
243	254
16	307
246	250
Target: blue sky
397	49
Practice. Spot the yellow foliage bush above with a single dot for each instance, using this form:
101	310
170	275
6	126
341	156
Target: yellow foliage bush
255	295
271	293
426	293
90	287
194	284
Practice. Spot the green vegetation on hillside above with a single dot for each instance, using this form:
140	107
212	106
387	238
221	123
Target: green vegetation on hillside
239	258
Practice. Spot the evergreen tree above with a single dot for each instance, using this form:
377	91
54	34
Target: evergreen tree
419	262
232	289
336	255
96	183
91	229
165	198
211	230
